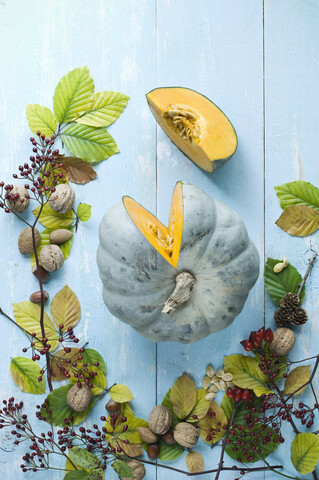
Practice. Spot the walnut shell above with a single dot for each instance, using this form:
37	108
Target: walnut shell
160	419
51	257
138	470
60	235
147	435
283	341
62	199
25	242
22	202
78	398
186	434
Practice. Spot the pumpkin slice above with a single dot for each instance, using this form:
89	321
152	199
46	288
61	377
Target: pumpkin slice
195	124
167	241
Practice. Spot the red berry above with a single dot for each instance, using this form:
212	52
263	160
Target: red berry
245	395
230	393
268	335
248	346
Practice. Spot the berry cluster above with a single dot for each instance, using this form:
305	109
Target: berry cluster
257	339
238	394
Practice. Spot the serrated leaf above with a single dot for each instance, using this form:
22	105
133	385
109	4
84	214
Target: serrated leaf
195	462
45	240
27	315
82	458
65	308
77	170
122	469
53	220
73	95
210	422
91	356
298	193
201	407
131	449
41	118
296	379
266	449
61	410
105	109
25	373
167	403
183	396
131	434
76	475
170	452
89	143
96	475
84	212
279	284
60	357
97	472
121	393
299	220
246	373
305	452
98	381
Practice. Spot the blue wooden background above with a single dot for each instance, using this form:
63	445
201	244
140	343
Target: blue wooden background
258	60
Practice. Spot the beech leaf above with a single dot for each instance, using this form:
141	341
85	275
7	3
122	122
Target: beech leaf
131	449
167	403
201	407
53	220
41	118
183	396
121	393
91	356
77	170
60	357
279	284
210	421
25	373
246	373
298	193
65	308
299	220
105	109
170	452
305	452
131	434
84	212
195	462
296	379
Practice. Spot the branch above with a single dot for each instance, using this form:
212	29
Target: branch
308	382
311	262
222	453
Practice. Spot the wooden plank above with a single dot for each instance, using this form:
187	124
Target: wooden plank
45	40
291	101
215	47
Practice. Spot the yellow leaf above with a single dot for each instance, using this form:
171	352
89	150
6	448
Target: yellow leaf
299	220
121	393
60	357
296	379
194	462
183	396
208	425
246	373
131	449
201	407
65	308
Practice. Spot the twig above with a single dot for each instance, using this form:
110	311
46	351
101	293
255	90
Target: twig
306	383
222	453
311	262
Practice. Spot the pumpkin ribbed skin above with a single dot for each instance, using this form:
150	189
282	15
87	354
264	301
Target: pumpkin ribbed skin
137	281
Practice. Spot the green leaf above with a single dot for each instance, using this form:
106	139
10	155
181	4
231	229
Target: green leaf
296	379
183	396
83	458
73	95
61	410
170	452
96	475
131	434
121	393
76	475
65	308
305	452
25	373
266	449
167	403
298	193
246	373
53	220
41	118
84	212
45	240
299	220
201	407
279	284
89	143
105	109
27	315
122	469
91	356
98	381
227	404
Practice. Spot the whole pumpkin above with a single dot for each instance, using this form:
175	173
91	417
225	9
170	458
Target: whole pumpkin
216	254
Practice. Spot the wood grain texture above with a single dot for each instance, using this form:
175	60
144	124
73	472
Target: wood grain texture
256	60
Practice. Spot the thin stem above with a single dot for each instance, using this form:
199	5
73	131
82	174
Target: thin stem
311	262
222	453
280	473
308	382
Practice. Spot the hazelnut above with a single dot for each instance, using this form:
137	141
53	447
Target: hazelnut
168	438
21	202
35	297
153	451
283	341
25	240
79	398
146	435
40	273
186	435
51	257
160	419
62	199
60	235
138	470
113	407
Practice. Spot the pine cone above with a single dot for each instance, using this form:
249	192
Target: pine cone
282	316
290	300
299	316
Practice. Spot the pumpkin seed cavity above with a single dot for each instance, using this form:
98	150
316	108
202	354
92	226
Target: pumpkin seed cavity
166	241
184	121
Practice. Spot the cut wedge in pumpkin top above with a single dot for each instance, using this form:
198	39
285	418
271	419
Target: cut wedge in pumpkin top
195	125
166	240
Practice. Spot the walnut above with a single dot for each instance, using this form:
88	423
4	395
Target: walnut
25	241
60	235
138	470
51	257
18	199
62	199
283	341
186	434
146	435
160	419
79	398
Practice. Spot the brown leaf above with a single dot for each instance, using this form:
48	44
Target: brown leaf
60	357
131	449
296	379
77	170
194	462
299	220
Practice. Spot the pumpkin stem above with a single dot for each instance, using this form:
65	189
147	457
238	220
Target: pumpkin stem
182	292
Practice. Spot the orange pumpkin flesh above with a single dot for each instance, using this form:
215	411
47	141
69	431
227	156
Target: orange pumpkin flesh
166	240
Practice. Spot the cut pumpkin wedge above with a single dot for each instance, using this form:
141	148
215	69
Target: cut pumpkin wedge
195	125
166	240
